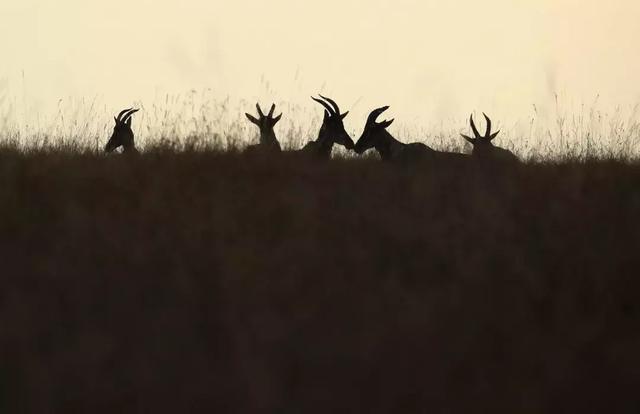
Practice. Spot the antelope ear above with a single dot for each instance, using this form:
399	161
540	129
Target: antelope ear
128	122
277	119
116	120
495	134
327	115
469	139
252	119
386	124
343	116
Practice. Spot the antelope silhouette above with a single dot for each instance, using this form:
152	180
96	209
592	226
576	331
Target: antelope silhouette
483	148
375	135
122	134
268	140
331	131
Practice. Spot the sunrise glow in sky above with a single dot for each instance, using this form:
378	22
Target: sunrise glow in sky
427	59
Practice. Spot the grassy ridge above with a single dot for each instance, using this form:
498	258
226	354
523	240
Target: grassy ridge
203	281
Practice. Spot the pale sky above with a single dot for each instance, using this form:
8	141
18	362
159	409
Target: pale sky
428	59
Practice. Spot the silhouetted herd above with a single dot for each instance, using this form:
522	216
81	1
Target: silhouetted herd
375	135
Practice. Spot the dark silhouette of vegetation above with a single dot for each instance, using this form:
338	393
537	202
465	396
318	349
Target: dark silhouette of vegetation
215	282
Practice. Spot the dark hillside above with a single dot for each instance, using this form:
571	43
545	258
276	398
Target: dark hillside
206	282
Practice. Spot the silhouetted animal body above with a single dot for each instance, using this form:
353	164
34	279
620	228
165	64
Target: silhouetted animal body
375	135
122	134
483	148
331	131
268	140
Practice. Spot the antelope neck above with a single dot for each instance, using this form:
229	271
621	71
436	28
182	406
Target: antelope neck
324	146
387	145
269	138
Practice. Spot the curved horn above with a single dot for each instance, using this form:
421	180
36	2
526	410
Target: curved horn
128	114
273	108
119	117
473	127
488	133
326	105
259	110
333	103
375	114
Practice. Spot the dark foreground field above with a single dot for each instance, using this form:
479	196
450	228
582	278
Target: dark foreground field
211	283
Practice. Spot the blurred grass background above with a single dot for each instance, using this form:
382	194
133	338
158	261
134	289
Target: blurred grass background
565	130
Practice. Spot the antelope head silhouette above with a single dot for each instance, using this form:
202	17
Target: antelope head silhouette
122	134
483	148
375	134
332	130
266	123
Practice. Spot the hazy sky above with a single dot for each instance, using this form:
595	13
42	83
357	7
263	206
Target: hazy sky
428	59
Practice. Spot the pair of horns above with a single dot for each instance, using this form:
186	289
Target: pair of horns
273	108
373	117
262	115
488	136
125	115
330	105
